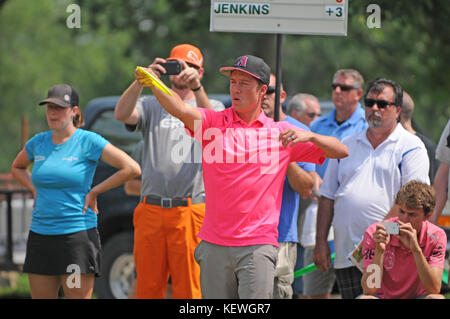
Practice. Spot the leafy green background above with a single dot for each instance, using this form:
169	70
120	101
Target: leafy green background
38	50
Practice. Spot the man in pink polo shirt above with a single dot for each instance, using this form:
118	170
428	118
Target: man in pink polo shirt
410	264
245	158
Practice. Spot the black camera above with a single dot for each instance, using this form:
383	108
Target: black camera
172	67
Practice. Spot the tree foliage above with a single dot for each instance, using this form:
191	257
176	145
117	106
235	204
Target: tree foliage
37	50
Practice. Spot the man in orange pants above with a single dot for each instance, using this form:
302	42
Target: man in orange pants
165	240
171	209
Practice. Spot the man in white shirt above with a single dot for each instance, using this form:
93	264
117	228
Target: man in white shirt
360	190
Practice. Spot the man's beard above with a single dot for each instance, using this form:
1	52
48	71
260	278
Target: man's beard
176	85
267	110
374	119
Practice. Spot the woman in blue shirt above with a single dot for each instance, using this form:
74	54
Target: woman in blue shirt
63	247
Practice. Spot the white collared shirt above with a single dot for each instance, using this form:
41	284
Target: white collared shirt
364	184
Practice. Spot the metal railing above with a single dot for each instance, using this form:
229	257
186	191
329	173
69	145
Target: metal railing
10	190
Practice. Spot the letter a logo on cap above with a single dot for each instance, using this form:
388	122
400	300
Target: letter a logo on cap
242	62
194	57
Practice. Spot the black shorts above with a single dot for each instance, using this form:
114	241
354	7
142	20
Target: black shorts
57	255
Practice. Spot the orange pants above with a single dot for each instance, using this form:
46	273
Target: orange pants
164	244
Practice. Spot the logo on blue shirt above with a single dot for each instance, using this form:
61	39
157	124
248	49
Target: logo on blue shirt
70	158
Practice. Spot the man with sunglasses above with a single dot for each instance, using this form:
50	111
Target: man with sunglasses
299	179
360	190
172	203
304	107
347	118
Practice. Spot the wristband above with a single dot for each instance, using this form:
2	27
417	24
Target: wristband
196	89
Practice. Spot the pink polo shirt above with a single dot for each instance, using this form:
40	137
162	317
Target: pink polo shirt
244	167
400	276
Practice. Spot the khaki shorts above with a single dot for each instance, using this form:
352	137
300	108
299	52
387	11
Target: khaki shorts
284	271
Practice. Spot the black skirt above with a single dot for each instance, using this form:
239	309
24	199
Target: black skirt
57	255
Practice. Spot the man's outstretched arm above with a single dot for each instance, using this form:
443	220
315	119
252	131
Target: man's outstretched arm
330	145
173	104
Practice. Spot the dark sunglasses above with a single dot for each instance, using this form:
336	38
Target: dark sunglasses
343	87
270	90
192	66
382	104
313	115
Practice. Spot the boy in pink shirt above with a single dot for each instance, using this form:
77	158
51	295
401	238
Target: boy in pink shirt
245	158
410	264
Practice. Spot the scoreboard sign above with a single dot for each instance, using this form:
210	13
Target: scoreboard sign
323	17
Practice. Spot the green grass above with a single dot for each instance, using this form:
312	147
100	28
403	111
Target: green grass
22	291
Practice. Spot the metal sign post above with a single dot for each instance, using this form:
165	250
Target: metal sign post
321	17
276	114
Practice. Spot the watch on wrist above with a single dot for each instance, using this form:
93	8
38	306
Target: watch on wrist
197	88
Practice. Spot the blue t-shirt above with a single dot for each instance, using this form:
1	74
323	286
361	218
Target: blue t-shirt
287	227
62	175
327	125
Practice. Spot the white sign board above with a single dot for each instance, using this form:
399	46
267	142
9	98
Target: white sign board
325	17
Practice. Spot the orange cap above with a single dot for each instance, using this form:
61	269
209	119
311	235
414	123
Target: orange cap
187	53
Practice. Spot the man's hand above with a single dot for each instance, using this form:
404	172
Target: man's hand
381	238
190	75
294	136
301	181
141	79
155	69
322	256
317	182
322	253
408	236
330	145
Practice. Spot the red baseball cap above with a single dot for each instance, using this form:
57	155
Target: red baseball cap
187	53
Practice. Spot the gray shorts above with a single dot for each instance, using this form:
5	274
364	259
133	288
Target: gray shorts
236	272
316	282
